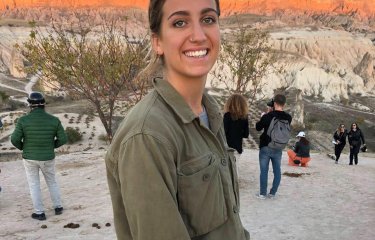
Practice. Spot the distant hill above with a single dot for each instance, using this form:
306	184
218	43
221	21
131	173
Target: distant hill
361	8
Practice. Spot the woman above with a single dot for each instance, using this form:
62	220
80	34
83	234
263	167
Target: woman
356	138
340	140
301	151
169	172
236	125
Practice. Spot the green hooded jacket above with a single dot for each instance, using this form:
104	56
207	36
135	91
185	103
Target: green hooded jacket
170	177
37	134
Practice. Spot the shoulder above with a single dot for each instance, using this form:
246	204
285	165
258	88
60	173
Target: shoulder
151	116
227	115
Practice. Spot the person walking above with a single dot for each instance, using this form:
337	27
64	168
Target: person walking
269	149
236	123
170	172
37	134
300	154
339	138
355	138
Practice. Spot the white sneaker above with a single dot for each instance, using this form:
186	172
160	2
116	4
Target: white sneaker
262	197
271	196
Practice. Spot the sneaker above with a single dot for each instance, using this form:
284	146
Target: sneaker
260	196
59	210
336	162
39	217
271	196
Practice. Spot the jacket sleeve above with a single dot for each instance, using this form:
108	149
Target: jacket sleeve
246	129
17	136
261	124
362	137
335	136
148	179
61	137
226	121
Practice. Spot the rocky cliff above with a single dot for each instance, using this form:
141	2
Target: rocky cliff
363	8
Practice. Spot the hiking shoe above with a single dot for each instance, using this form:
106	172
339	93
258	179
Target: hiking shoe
59	210
39	217
271	196
260	196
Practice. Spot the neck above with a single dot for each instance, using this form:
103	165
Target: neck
191	90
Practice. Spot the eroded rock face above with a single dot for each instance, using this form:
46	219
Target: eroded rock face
365	69
13	62
298	113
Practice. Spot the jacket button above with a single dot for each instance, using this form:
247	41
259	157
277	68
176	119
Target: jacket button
206	177
223	161
235	209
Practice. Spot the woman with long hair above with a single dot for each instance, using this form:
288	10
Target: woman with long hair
169	170
340	140
300	154
236	123
355	138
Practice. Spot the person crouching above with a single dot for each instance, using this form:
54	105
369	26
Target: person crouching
300	154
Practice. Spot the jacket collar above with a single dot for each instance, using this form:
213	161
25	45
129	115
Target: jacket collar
182	109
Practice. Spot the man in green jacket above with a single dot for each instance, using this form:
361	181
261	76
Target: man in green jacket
37	134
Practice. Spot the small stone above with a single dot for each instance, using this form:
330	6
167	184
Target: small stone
43	226
95	225
107	224
98	227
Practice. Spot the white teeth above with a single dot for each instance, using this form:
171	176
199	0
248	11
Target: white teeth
199	53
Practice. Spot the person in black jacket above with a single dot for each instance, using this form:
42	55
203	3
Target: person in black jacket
266	153
236	123
340	140
356	138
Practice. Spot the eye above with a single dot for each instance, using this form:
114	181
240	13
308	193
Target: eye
209	20
179	23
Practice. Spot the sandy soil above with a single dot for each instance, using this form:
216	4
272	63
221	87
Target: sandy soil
327	201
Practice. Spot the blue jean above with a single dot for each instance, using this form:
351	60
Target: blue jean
265	155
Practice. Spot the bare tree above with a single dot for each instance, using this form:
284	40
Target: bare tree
99	64
246	57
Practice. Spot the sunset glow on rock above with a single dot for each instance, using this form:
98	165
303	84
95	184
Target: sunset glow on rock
361	7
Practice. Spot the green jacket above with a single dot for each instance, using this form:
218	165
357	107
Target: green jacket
37	134
170	177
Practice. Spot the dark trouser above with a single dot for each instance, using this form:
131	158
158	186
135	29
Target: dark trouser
354	154
338	150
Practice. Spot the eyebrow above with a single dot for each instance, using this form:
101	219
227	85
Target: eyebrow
185	13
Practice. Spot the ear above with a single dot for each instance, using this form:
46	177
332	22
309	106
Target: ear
156	44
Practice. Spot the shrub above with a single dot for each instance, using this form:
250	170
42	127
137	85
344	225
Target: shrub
73	135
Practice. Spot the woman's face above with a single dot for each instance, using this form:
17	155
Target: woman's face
342	128
354	126
189	38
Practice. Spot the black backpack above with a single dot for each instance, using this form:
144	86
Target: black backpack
279	132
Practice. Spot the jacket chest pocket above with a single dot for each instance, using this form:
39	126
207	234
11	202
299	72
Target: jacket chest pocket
201	195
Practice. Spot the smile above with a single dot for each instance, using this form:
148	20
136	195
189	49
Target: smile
196	54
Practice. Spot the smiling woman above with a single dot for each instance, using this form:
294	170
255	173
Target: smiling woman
170	172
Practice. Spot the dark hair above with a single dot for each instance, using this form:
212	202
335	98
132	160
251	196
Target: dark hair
304	141
351	126
155	14
280	99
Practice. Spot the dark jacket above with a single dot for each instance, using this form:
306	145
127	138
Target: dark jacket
169	176
340	137
355	137
301	149
265	122
37	134
235	130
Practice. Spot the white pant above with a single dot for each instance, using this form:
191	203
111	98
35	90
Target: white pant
32	173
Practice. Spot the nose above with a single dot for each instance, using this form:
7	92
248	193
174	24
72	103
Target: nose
198	33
